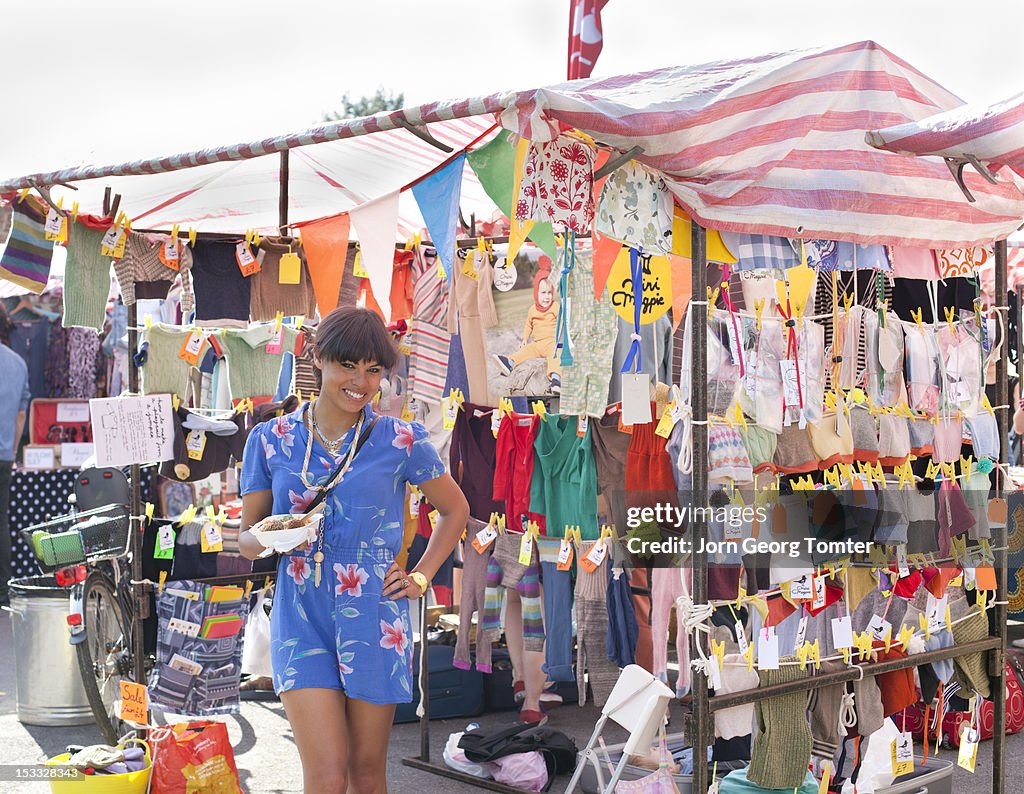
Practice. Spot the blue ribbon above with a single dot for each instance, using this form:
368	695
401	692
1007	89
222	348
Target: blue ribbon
562	330
636	269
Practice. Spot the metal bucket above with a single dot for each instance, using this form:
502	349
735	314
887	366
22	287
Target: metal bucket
50	690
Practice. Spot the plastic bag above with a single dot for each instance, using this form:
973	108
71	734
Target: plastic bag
876	764
522	770
194	758
256	645
455	757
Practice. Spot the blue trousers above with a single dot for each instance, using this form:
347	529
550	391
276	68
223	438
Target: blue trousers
557	621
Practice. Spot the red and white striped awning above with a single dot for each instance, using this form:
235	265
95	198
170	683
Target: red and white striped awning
992	135
775	145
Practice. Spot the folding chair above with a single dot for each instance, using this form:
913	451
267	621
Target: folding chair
638	703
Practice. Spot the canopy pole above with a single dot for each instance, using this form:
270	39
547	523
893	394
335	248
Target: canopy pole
1002	417
140	597
282	204
699	450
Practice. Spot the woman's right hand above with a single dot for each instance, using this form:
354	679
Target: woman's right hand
248	546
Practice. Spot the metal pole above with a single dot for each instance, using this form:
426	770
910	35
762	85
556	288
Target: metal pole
424	681
140	597
699	450
1002	417
282	204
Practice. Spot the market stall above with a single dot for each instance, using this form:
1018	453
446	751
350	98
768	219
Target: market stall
742	308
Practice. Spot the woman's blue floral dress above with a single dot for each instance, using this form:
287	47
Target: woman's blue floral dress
343	634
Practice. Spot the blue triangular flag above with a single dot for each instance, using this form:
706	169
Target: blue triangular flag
438	199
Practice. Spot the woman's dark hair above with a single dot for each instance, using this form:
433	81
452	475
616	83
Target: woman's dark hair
352	334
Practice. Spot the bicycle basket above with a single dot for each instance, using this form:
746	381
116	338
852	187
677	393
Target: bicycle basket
89	536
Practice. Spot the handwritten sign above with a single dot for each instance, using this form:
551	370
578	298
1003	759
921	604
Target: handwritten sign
133	708
129	430
40	457
73	412
657	287
74	456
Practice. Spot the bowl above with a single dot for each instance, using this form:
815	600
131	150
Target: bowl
284	540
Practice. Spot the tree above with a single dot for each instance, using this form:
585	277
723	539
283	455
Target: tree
365	105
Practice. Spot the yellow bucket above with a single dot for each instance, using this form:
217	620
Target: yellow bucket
128	783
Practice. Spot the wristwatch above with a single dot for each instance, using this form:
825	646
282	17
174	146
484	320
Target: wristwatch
420	581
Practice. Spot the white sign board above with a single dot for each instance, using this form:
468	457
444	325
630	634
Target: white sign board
74	456
73	412
129	430
38	458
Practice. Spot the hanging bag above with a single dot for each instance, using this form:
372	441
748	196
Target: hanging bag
660	781
256	645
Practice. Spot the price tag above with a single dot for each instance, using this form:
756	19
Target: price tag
636	398
732	532
801	632
936	612
247	263
801	589
902	753
714	673
484	538
211	539
289	269
767	649
414	502
133	706
526	549
451	412
164	549
169	253
734	341
495	422
842	632
357	266
469	266
113	242
818	601
901	561
666	423
985	577
192	347
56	226
879	627
432	517
741	637
195	443
595	556
790	383
968	754
582	424
565	554
275	345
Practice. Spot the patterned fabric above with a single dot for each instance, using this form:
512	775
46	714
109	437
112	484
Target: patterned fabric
955	262
141	262
429	338
727	455
369	654
558	183
832	255
26	259
83	352
759	251
592	329
636	208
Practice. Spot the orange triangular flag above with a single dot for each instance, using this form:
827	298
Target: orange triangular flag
682	287
326	245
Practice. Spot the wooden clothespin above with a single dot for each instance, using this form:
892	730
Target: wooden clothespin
918	317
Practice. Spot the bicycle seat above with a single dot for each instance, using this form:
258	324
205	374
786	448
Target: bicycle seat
101	487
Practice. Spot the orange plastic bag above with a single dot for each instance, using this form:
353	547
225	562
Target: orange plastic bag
194	758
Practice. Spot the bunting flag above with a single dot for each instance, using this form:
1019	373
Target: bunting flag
682	239
494	166
518	229
326	245
586	36
438	199
682	287
376	223
606	251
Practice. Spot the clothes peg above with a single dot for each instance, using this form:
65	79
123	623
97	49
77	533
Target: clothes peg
712	299
539	409
74	211
905	635
987	405
966	466
278	320
163	580
918	315
149	511
759	310
847	300
248	587
950	314
175	401
191	237
798	310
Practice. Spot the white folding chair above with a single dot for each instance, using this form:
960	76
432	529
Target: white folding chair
638	703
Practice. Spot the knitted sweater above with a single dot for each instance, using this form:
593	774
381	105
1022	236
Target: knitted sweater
268	295
141	262
86	279
252	371
165	371
26	259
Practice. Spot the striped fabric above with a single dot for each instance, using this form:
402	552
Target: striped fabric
429	339
775	145
993	134
26	259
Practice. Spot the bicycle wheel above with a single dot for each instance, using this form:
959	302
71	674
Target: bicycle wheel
105	655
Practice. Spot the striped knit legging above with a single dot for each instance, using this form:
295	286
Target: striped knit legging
504	570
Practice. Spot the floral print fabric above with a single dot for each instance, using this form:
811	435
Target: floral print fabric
636	208
558	184
343	634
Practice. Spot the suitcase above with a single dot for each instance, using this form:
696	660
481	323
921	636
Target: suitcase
498	694
453	692
953	721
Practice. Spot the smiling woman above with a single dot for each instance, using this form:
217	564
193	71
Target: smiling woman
341	641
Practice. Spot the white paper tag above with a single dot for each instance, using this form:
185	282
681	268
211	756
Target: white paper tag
636	398
486	535
936	612
790	383
54	222
598	552
901	561
212	532
741	637
818	601
170	250
414	504
879	627
731	532
905	748
801	632
112	236
842	632
582	424
165	538
244	254
564	551
801	588
767	649
734	340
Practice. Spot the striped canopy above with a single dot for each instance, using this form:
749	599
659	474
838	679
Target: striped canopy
993	135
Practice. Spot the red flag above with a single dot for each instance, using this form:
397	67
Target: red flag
585	36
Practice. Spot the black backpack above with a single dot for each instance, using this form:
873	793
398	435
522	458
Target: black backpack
557	749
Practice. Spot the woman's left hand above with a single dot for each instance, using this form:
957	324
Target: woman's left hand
397	584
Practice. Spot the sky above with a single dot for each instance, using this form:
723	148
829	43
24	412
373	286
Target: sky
108	82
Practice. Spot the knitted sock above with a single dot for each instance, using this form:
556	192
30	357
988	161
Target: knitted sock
26	259
490	621
533	614
474	585
86	279
782	744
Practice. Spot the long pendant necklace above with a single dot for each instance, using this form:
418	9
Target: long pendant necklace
318	556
